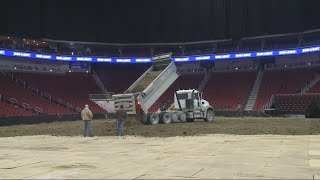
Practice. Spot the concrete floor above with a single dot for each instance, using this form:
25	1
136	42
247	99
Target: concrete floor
197	157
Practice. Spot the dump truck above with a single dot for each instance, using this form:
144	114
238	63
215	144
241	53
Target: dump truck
147	89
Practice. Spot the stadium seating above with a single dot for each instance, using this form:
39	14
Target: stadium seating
294	103
118	80
73	88
282	82
188	81
8	110
225	91
10	89
315	88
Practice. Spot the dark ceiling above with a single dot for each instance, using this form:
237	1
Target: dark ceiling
155	20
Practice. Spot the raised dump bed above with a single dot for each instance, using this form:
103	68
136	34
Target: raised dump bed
145	81
149	86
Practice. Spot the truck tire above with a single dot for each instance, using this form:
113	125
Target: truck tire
174	117
153	118
210	116
190	120
166	118
183	117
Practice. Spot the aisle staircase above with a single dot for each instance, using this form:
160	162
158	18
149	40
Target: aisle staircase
254	92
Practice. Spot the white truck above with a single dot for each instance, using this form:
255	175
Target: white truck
188	104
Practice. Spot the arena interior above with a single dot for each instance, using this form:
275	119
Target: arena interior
257	64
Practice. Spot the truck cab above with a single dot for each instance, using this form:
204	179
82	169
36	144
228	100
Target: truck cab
190	105
190	99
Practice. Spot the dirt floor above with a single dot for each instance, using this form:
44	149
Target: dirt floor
221	125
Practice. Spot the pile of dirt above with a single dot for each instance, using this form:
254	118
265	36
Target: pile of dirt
144	83
246	126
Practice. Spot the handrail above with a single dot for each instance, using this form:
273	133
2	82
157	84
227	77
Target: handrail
104	96
37	109
183	43
78	109
43	94
297	94
69	105
35	90
60	101
19	81
138	44
26	105
13	100
269	103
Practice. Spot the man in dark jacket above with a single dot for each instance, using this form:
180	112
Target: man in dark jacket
121	115
239	111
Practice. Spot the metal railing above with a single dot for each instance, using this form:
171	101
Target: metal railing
268	105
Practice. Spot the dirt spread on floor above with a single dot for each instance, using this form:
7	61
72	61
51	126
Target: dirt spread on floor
144	83
221	125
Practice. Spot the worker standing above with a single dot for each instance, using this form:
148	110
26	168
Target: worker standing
121	115
87	116
239	111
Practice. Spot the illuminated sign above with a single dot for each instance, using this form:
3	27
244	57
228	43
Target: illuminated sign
203	58
63	58
84	59
243	55
285	52
181	59
143	60
313	49
123	60
268	53
104	60
43	56
21	54
226	56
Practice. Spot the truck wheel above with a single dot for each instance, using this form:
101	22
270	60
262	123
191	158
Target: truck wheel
190	120
210	116
166	118
183	117
174	117
153	118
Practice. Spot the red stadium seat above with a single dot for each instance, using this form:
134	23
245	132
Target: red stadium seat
281	82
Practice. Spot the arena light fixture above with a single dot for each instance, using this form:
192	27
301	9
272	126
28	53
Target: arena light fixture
50	70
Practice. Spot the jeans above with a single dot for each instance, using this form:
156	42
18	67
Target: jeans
120	124
239	113
87	125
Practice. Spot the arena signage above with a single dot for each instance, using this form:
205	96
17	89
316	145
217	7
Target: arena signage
284	52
